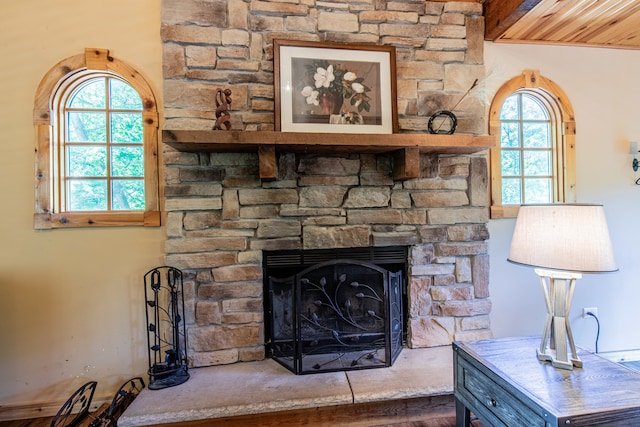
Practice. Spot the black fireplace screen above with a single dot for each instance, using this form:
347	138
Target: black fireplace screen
336	315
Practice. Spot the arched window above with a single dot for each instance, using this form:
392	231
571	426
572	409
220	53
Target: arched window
534	161
96	140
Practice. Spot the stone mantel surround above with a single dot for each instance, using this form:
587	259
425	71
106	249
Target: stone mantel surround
220	215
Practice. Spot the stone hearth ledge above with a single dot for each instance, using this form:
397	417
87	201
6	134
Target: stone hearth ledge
265	386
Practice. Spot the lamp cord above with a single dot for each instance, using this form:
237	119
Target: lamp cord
598	333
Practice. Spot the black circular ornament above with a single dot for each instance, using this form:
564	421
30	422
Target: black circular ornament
443	122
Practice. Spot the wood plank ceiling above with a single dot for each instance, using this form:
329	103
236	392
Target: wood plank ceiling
603	23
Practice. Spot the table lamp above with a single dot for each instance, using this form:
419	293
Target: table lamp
562	241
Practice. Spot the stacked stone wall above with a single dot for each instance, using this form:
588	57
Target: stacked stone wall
211	44
220	216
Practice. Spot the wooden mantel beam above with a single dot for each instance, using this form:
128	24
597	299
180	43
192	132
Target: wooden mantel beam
406	148
499	15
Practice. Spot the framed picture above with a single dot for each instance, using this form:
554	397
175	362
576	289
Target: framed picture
334	88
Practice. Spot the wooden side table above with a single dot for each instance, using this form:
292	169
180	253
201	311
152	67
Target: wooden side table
502	382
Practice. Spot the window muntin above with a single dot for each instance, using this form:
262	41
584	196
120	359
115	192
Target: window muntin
85	108
534	157
103	147
526	151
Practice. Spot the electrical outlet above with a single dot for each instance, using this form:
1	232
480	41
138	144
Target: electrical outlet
593	310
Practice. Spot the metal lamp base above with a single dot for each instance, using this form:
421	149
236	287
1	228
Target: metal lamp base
550	356
557	338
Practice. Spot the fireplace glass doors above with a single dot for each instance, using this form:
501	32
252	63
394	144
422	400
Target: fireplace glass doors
336	315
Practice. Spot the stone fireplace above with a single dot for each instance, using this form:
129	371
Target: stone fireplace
221	216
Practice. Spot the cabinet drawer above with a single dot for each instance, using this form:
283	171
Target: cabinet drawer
496	400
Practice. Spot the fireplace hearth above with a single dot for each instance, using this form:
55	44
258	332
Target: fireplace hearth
335	310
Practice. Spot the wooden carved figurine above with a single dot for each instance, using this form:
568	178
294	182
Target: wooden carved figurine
223	104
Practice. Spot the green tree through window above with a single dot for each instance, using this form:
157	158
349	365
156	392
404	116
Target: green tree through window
96	132
533	160
104	153
526	151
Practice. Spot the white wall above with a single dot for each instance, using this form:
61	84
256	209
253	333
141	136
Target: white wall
71	301
603	86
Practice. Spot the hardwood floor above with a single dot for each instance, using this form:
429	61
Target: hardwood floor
34	422
446	421
434	411
443	422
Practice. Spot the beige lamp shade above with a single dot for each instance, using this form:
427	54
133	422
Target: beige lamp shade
567	237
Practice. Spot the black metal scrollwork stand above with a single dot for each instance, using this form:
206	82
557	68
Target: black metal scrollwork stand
166	330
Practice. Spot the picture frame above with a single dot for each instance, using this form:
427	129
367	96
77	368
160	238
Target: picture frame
334	87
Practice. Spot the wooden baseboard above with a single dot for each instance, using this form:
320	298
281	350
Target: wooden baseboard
41	409
419	409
